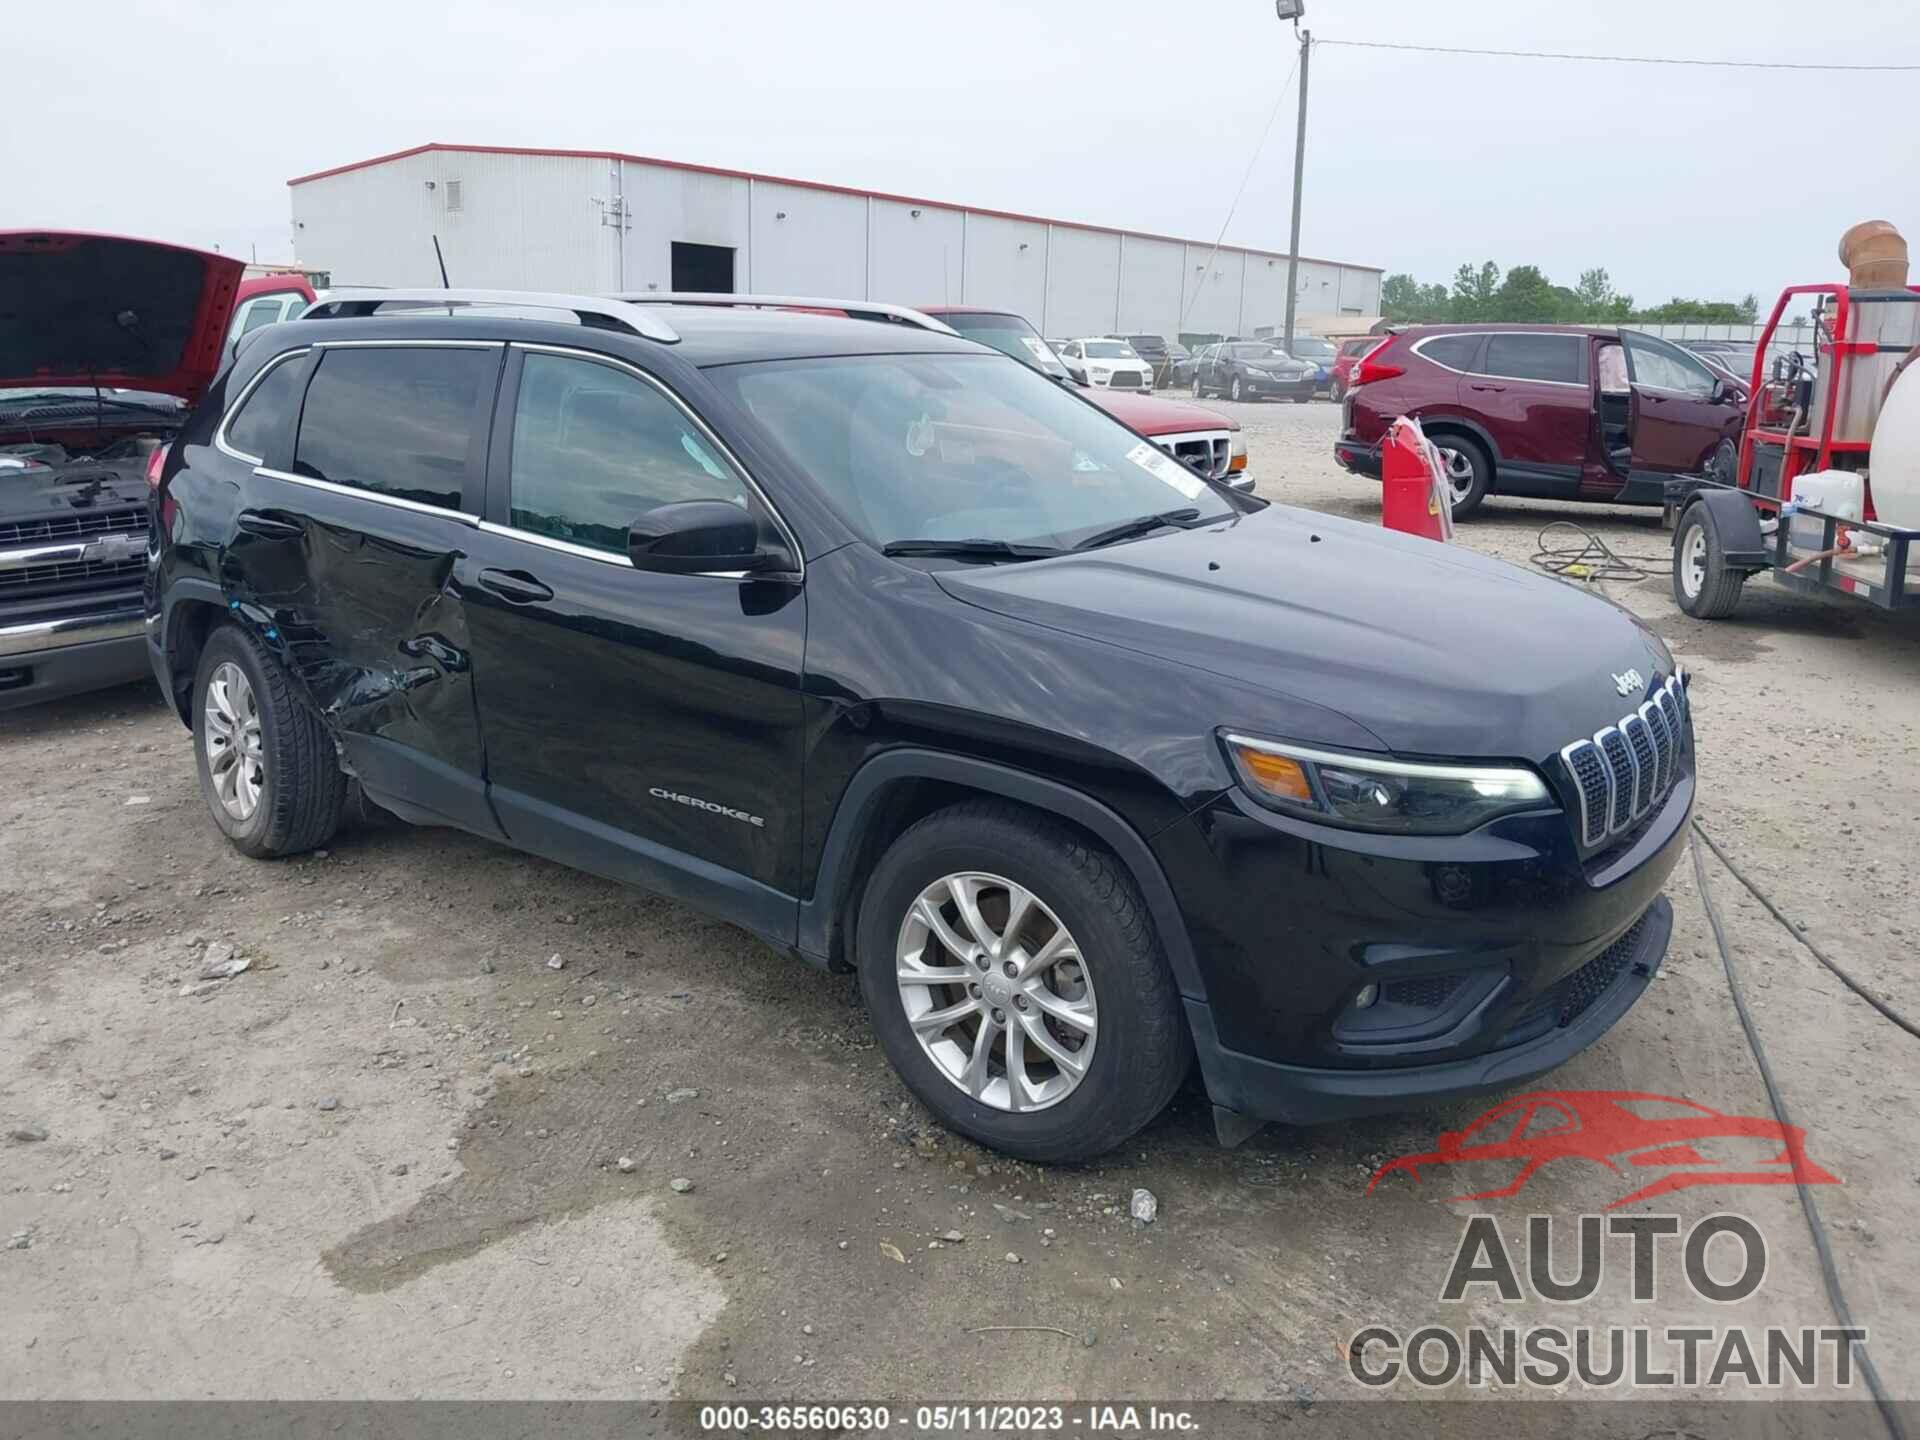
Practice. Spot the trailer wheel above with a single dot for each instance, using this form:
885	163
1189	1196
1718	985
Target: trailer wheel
1703	585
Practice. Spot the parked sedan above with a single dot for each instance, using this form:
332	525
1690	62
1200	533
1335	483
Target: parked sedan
1253	370
1107	364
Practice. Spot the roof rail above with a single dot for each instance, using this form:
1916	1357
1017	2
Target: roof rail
598	312
858	309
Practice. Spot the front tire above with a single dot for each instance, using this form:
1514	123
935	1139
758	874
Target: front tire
266	762
1199	390
1016	983
1703	585
1233	389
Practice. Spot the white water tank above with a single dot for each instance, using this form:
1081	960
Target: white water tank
1893	467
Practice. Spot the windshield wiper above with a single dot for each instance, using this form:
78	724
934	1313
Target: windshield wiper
56	401
1139	525
971	549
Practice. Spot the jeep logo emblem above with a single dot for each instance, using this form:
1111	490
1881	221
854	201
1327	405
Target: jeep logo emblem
1628	681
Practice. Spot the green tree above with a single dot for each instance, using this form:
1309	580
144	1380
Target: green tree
1406	300
1473	291
1750	309
1526	295
1594	293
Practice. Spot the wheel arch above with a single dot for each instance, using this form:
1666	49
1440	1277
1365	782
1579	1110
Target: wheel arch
1736	524
1432	425
893	790
193	609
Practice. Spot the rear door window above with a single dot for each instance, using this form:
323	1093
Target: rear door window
1553	358
595	448
1456	352
395	421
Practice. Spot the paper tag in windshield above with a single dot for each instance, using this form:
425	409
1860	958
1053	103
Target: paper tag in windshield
1041	350
1163	467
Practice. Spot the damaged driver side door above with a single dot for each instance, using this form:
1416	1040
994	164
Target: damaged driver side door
353	548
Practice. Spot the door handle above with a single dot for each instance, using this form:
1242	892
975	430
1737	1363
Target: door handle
1495	388
267	527
516	587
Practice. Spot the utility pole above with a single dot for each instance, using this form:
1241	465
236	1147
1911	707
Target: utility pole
1299	162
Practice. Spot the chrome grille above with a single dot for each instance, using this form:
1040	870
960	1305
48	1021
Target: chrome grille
1627	768
1210	451
81	524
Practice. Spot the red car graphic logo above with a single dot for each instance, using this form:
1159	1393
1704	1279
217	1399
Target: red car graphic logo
1626	1131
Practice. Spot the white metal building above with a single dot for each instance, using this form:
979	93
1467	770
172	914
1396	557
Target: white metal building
597	222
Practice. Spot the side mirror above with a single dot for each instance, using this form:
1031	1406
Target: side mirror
693	537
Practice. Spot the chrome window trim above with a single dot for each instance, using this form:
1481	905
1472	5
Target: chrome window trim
220	441
615	363
354	492
409	344
1488	374
548	542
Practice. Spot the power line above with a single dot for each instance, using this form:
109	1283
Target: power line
1252	160
1613	59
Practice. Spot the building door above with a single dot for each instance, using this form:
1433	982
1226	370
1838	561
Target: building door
703	267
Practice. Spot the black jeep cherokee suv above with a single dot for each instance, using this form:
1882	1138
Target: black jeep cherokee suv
879	644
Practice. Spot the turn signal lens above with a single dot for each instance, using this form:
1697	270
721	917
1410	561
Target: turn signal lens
1277	775
156	462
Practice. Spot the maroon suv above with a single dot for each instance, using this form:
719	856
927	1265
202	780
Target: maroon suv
1564	412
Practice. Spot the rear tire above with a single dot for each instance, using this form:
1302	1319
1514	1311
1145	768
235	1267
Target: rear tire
1199	390
1469	471
266	762
1140	1048
1233	388
1703	585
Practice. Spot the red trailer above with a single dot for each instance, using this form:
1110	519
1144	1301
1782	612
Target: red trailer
1805	415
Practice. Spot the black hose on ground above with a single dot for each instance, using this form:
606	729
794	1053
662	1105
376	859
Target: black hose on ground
1836	1294
1794	930
1589	558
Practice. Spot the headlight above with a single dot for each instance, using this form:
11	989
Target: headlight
1369	792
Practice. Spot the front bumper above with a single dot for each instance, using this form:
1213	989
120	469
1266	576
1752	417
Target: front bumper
47	659
1260	386
1357	456
1340	972
1303	1095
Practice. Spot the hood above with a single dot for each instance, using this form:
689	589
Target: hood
101	309
1434	649
1158	417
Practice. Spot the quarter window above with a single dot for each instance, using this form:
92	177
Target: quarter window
394	421
1456	352
1534	357
595	448
266	415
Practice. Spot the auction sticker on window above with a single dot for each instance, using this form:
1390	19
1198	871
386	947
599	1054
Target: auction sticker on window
1162	466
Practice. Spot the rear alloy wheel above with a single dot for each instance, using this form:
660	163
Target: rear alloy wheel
1703	585
1199	391
266	761
1468	472
1016	983
1233	389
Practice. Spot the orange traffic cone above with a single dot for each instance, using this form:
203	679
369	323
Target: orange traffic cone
1413	486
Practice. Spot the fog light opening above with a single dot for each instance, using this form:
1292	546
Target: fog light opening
1368	994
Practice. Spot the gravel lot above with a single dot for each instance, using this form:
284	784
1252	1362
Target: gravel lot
387	1159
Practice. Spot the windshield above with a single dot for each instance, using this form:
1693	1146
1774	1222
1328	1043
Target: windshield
961	447
1010	335
1110	350
1263	352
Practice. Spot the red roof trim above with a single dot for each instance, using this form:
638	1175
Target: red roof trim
436	145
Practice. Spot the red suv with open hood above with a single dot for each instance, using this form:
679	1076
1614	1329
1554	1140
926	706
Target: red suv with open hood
105	345
1564	412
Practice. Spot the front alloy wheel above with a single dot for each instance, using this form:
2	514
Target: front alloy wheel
995	991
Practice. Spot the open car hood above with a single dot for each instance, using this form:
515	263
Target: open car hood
80	309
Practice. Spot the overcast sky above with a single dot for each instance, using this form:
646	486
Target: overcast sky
184	120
